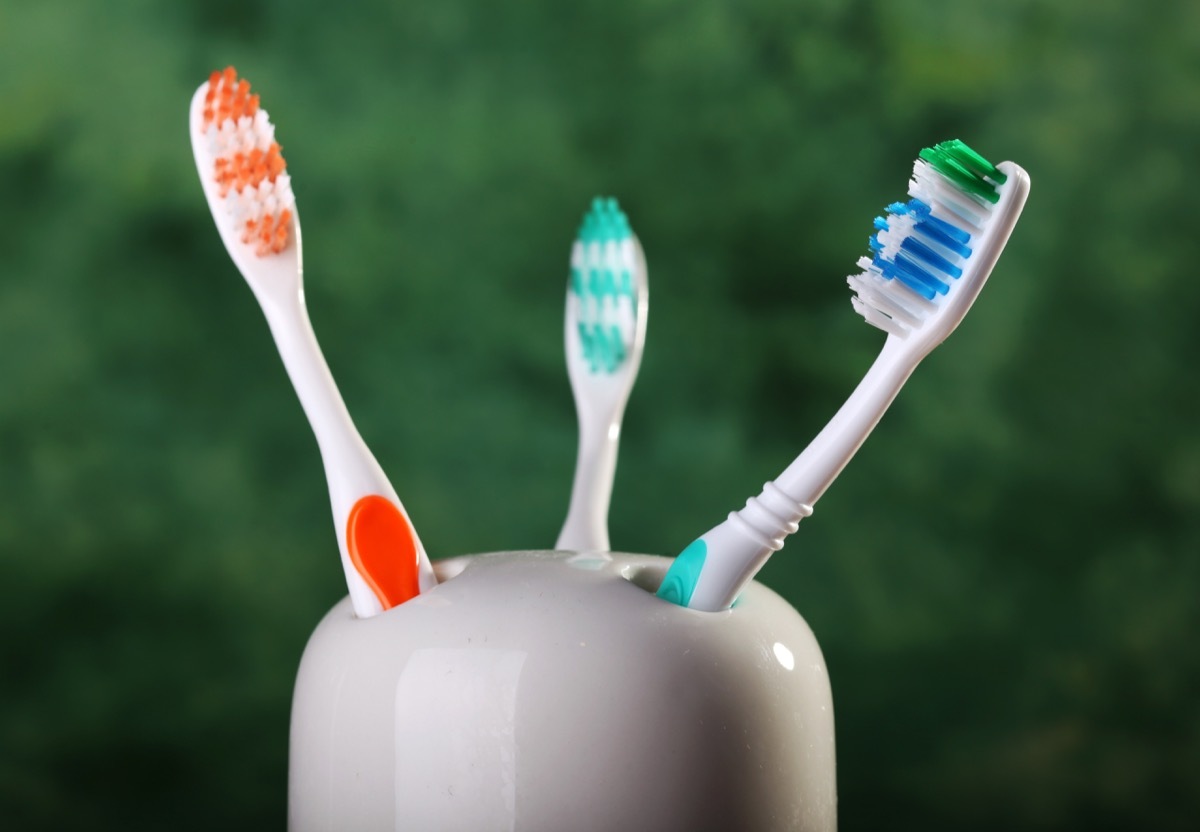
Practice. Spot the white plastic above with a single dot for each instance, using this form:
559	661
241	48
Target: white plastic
600	400
549	692
739	546
276	280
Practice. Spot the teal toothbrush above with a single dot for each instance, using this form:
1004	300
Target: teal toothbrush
605	327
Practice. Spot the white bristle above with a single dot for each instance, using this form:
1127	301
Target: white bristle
873	288
946	199
877	319
627	256
264	130
899	227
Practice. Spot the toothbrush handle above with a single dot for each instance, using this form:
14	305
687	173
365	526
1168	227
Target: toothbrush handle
712	572
337	437
586	526
351	470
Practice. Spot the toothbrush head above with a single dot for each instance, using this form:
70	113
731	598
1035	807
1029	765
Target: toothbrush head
606	297
932	254
242	168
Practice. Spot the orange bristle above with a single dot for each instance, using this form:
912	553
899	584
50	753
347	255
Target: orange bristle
229	97
264	235
275	162
281	230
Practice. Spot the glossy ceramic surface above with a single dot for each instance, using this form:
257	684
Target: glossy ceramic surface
545	692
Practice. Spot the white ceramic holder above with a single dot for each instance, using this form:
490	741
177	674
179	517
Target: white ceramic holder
550	691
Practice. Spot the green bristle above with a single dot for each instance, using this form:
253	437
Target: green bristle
972	159
965	168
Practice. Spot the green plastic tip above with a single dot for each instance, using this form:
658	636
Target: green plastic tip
604	222
966	169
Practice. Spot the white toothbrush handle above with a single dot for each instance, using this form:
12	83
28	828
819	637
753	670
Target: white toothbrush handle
586	526
738	547
350	468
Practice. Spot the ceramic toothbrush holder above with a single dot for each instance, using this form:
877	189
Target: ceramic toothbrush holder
553	692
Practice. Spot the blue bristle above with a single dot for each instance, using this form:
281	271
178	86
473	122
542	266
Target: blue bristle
920	267
918	249
910	267
952	231
913	276
928	228
920	209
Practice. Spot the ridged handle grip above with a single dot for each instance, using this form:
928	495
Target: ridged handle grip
770	517
726	558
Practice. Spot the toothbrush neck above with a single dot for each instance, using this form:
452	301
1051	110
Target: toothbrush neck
336	435
806	479
586	525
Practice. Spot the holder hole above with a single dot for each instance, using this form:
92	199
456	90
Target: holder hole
450	568
647	577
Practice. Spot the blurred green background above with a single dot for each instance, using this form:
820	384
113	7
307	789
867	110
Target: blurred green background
1004	581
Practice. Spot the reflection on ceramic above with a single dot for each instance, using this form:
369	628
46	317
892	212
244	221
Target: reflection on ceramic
552	692
589	560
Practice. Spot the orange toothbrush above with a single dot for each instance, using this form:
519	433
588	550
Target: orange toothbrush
249	193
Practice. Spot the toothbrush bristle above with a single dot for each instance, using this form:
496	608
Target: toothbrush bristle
602	287
228	97
248	166
922	246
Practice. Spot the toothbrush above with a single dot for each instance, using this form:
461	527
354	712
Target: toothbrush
249	194
605	329
932	255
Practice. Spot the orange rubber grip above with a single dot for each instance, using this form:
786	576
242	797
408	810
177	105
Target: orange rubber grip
383	550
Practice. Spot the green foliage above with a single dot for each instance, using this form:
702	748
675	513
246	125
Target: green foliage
1004	580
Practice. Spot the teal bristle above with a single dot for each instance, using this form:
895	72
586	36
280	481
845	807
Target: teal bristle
603	284
604	222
